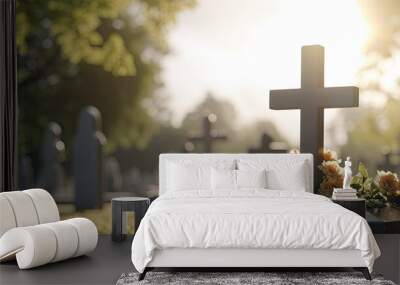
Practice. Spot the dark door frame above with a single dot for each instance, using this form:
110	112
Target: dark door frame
8	97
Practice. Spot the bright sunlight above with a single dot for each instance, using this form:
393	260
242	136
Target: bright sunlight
240	51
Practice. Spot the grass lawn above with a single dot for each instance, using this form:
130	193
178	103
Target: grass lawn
101	217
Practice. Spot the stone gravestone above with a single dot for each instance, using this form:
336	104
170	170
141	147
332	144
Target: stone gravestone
52	151
312	98
390	162
88	160
188	147
267	146
25	173
210	135
113	175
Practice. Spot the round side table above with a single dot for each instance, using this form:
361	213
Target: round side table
122	205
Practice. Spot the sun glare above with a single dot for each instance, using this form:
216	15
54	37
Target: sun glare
240	50
337	25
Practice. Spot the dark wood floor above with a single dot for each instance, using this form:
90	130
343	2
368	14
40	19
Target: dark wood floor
102	266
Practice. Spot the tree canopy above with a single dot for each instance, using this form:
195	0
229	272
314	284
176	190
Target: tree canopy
374	128
104	53
384	24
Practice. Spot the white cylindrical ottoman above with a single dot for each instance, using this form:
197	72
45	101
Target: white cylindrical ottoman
40	244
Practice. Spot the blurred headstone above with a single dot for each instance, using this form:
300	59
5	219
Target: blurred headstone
188	147
210	135
138	182
52	152
25	180
390	162
88	160
268	145
113	175
312	98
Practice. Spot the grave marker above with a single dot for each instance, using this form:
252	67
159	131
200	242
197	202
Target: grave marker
88	160
312	98
267	146
25	173
52	152
390	162
210	135
113	175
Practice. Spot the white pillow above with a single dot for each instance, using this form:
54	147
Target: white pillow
188	177
251	178
227	179
283	174
223	179
189	174
293	179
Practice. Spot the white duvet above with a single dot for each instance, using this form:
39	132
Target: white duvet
250	219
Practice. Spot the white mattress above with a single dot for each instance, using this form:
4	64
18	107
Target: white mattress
252	219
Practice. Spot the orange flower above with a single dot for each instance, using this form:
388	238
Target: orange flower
333	172
328	155
389	182
328	184
331	168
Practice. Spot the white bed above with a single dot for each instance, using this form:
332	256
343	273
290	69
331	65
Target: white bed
202	220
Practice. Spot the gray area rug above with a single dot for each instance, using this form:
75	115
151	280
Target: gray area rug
228	278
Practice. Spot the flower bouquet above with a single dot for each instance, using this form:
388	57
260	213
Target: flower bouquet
368	189
390	186
332	172
377	192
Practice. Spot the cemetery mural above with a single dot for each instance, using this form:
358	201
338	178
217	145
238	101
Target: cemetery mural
101	104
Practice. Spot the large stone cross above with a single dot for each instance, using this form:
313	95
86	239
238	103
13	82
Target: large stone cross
209	134
312	98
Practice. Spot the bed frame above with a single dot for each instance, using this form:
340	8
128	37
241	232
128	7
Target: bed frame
246	258
243	259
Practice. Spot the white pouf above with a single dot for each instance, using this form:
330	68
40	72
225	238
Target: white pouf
33	246
45	205
7	220
66	237
22	207
31	232
87	233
